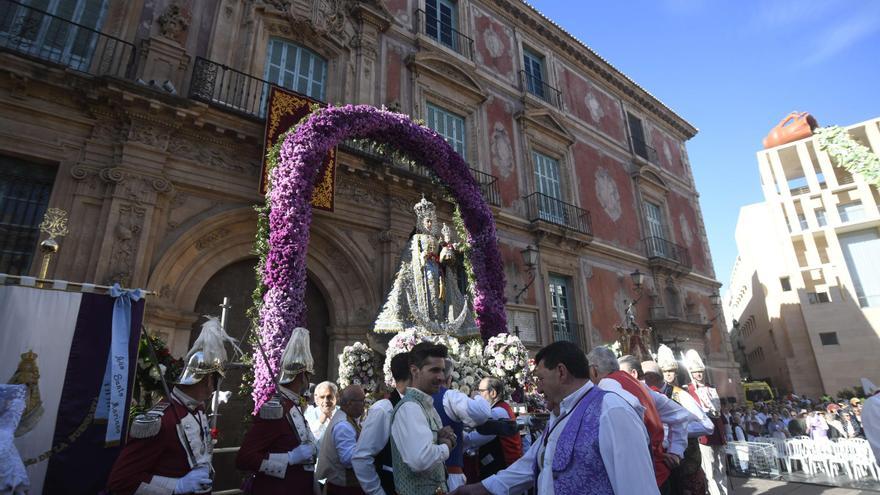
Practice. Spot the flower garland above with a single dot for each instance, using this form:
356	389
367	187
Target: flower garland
289	219
356	366
469	369
508	359
848	153
147	381
406	340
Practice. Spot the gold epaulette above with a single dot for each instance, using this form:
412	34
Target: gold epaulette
272	409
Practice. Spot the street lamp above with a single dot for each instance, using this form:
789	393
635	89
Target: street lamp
715	301
530	259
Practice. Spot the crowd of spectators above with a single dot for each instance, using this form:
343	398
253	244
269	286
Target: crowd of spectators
794	417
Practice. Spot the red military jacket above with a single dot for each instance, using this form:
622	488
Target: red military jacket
161	454
652	421
273	436
717	437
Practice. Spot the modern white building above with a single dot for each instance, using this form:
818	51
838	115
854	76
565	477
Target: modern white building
805	290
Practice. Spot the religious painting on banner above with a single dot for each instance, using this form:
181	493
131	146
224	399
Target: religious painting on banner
286	109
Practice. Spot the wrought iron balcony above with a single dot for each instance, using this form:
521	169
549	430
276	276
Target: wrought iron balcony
537	86
659	249
444	33
541	207
641	148
227	88
372	152
566	331
41	35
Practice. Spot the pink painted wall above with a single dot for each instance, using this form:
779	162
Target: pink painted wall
502	148
591	105
494	45
668	150
393	74
686	229
606	289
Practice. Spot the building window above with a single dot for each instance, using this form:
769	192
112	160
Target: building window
785	282
550	205
861	250
24	195
820	217
560	310
450	126
818	297
441	17
534	73
656	242
829	338
637	135
51	38
851	212
296	68
803	221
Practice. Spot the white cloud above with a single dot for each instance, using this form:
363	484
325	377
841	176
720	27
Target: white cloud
776	14
842	35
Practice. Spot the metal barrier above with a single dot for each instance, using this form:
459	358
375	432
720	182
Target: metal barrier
445	34
45	36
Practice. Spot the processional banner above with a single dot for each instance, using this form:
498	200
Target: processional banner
286	109
76	353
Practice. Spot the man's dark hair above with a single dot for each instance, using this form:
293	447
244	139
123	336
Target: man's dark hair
424	350
400	367
630	362
495	384
566	353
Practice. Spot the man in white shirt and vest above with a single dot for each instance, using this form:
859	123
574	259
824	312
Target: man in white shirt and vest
594	439
338	444
372	456
419	443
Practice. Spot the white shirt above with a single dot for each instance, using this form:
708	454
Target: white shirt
344	437
413	436
623	444
463	409
871	423
312	413
612	385
474	440
700	424
675	421
375	433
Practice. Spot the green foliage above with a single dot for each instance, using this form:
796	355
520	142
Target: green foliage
464	248
147	387
849	154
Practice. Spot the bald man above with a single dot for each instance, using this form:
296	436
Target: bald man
338	444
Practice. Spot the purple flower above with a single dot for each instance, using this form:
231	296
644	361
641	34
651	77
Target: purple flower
302	153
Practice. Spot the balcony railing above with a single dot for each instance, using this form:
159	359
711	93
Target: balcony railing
444	33
642	149
371	152
39	34
658	247
539	88
549	209
566	331
225	87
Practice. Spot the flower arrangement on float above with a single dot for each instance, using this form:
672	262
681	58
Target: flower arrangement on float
283	230
356	367
147	380
508	359
469	369
406	340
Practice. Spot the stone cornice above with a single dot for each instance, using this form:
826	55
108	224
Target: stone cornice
543	26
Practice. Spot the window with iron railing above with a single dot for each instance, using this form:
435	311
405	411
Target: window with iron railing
534	71
24	196
449	125
441	18
560	310
548	184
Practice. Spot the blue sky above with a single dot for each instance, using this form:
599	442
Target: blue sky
733	70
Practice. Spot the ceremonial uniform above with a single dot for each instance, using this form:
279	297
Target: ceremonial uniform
157	455
277	429
712	445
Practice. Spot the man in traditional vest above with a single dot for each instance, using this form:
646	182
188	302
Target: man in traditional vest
372	462
279	447
420	444
496	451
169	448
338	444
596	443
457	410
606	371
711	446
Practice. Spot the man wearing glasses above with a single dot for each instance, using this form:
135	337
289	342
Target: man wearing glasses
338	444
496	450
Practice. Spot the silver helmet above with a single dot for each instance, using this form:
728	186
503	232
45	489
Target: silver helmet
208	353
297	356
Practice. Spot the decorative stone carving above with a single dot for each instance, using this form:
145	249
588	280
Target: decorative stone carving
174	22
149	135
608	194
594	106
667	152
211	239
136	187
126	233
213	156
502	150
493	42
686	234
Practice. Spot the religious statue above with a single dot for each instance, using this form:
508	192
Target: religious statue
28	374
425	293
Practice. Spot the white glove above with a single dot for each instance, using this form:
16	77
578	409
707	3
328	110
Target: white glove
196	481
301	455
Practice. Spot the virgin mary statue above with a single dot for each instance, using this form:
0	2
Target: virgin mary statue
425	294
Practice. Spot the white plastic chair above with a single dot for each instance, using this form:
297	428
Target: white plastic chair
819	456
861	458
796	451
841	456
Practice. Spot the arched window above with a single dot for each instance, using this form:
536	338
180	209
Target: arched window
296	68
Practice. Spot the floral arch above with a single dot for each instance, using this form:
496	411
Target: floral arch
290	216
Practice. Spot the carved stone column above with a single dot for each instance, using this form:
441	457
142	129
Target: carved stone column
163	56
366	50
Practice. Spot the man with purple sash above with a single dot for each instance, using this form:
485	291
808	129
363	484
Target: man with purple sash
595	442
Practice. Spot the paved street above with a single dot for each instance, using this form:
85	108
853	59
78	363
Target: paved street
755	486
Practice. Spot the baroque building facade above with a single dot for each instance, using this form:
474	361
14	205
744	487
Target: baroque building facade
144	120
804	292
